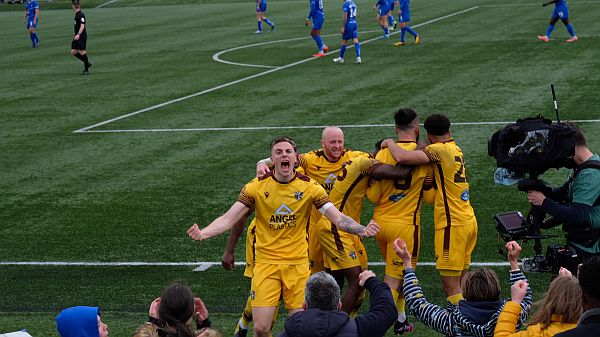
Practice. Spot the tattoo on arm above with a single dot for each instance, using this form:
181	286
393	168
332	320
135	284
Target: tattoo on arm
347	224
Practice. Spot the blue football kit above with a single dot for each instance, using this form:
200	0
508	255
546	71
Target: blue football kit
316	14
30	7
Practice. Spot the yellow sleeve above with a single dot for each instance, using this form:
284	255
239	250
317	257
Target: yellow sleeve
507	321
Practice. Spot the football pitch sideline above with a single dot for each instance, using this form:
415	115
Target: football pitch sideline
126	186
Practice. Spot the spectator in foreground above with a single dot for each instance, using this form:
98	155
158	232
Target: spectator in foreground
177	313
589	281
81	321
478	313
322	315
558	311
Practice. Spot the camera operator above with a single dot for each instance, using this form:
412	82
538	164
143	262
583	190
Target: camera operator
576	204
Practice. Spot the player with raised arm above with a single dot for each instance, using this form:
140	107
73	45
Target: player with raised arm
282	202
398	210
404	19
349	31
32	12
455	222
261	8
317	15
561	11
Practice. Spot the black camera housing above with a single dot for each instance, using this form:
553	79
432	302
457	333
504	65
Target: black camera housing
511	226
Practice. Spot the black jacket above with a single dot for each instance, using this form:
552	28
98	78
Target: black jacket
588	325
321	323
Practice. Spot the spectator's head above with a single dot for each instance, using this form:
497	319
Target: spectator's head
437	126
582	152
406	121
322	292
481	285
589	281
176	308
332	141
81	321
562	299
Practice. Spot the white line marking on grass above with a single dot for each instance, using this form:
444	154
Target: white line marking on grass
154	107
106	3
295	127
537	5
199	265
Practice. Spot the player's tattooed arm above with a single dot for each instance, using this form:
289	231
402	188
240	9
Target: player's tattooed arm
347	224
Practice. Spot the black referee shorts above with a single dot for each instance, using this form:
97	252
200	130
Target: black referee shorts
79	44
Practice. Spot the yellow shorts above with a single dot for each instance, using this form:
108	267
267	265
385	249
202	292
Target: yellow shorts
341	250
454	246
390	231
250	252
271	280
315	251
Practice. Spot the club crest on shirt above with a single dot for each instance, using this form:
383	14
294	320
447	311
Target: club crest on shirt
352	255
266	194
298	195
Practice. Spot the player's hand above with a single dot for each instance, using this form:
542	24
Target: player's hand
342	30
564	272
402	251
536	198
371	229
385	143
76	38
518	291
306	22
153	312
200	309
364	276
262	169
228	260
513	249
195	233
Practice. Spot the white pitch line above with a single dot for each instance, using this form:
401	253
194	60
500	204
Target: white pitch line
106	3
296	127
154	107
200	265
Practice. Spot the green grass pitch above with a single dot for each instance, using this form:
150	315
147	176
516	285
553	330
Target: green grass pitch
146	164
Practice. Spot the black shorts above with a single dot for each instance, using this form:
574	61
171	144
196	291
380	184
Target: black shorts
80	44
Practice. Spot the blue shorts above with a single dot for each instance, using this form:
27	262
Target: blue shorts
405	15
262	7
317	23
391	4
561	12
31	24
350	31
383	10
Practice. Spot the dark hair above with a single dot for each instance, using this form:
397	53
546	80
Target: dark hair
75	3
579	137
322	292
177	307
404	118
589	277
286	139
437	125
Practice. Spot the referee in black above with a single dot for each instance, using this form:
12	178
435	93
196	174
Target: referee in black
78	45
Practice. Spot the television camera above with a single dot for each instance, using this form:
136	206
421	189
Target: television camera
528	148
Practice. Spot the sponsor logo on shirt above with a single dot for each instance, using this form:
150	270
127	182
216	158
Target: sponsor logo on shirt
283	218
465	195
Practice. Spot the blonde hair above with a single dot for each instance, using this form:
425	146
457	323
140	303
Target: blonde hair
481	285
563	298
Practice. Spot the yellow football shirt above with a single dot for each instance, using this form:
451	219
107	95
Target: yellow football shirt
351	186
319	168
282	212
400	200
452	206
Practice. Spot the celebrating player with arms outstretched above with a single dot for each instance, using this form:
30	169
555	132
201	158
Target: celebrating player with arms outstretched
282	202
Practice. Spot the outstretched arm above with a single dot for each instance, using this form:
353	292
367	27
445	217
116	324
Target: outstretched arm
221	224
548	3
403	156
347	224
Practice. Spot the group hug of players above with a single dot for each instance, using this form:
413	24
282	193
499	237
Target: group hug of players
309	222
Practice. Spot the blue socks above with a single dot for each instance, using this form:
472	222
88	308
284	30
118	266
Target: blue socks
385	30
260	25
357	47
34	39
342	50
319	42
402	34
570	29
268	22
549	30
410	30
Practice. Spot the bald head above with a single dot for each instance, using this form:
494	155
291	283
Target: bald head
332	141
